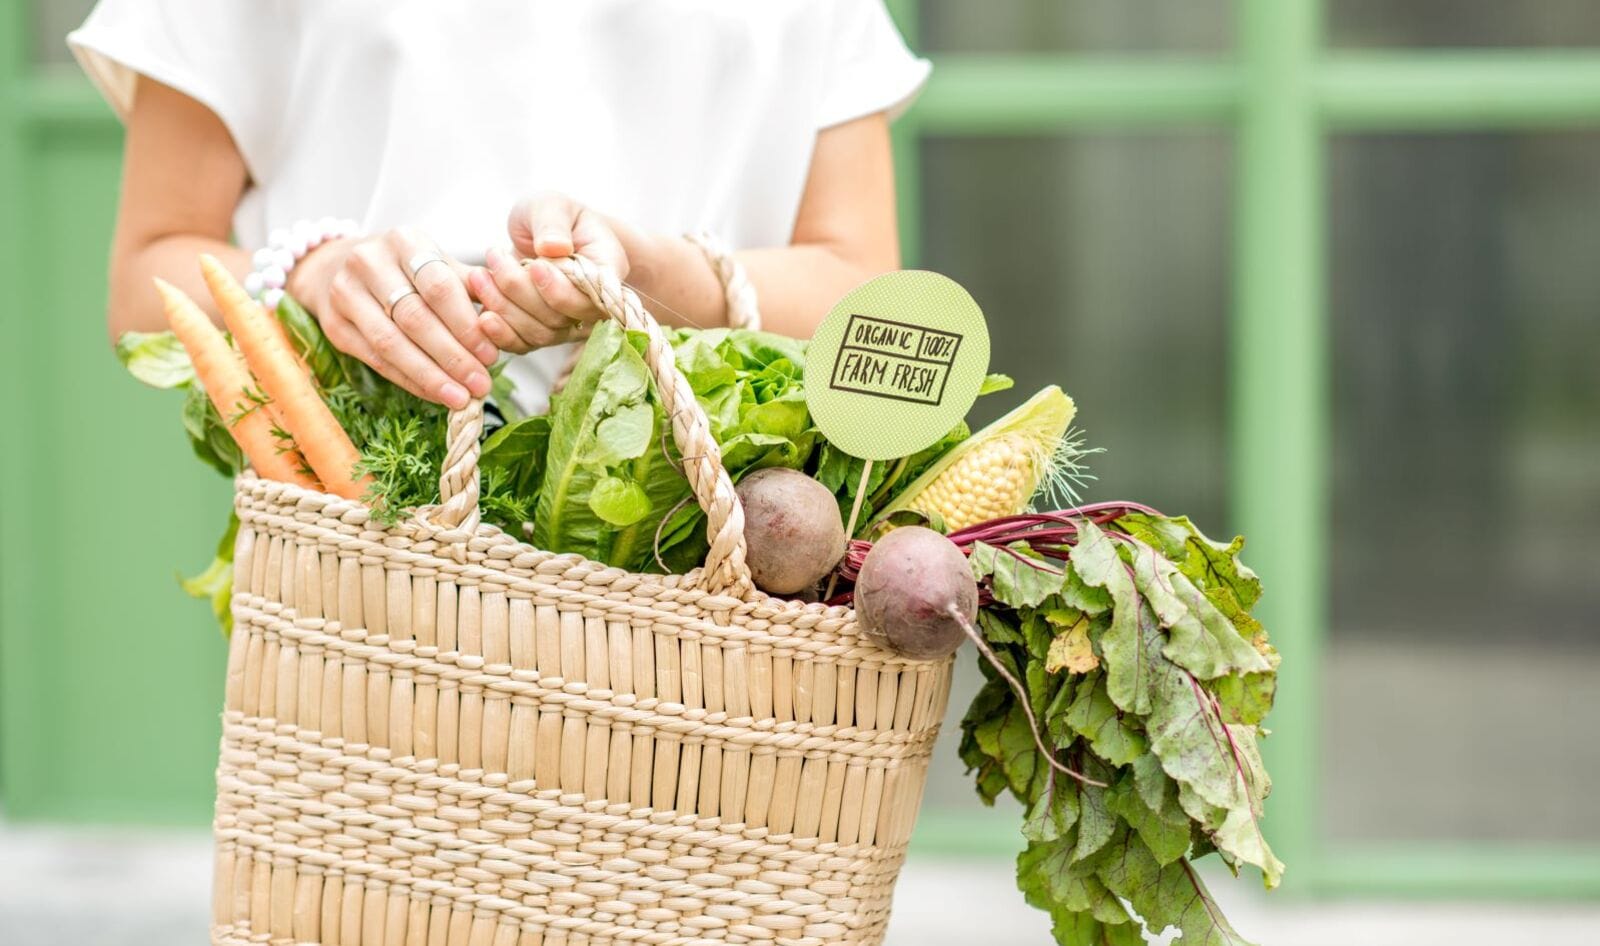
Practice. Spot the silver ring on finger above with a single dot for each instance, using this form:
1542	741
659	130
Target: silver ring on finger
400	292
420	260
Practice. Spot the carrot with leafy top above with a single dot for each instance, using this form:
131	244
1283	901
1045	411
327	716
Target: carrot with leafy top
284	379
226	382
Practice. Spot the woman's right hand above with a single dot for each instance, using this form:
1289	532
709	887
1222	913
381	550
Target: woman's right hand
429	342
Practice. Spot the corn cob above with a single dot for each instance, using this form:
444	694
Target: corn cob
997	471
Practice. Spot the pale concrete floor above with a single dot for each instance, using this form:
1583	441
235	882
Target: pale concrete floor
61	887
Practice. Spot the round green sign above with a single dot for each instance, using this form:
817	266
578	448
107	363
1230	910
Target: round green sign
896	364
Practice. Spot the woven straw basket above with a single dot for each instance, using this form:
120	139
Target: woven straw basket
436	735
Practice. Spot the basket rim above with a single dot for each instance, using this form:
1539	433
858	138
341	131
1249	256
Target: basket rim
413	527
493	548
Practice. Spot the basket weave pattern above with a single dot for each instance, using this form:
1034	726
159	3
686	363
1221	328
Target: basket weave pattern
435	735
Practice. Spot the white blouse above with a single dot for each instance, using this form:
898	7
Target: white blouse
676	115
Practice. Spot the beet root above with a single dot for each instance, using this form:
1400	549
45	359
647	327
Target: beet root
912	586
793	533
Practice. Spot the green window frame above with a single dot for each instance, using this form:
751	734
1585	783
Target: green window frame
1281	93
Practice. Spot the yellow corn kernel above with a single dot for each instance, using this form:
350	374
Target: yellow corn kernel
996	472
995	479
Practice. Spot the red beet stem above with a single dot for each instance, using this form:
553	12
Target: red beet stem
1049	534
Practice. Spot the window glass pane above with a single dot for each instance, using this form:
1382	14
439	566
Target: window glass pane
52	21
1465	645
999	26
1102	264
1464	23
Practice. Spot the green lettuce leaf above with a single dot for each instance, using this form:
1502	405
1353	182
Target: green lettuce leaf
156	359
751	386
756	350
612	488
619	501
215	584
518	449
159	360
331	367
623	434
208	436
604	430
753	451
841	473
995	383
501	392
706	368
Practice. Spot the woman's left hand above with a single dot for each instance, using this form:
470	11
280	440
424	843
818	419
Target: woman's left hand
527	302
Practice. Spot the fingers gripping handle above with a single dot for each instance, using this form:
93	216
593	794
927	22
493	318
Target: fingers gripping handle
725	569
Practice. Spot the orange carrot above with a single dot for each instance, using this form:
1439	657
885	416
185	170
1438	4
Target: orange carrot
284	379
283	336
226	382
274	409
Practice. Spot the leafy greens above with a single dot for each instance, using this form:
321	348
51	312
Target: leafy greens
1150	679
599	475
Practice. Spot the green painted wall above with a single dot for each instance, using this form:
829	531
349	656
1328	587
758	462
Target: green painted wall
110	680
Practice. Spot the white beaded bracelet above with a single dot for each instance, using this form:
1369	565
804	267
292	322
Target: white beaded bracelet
287	246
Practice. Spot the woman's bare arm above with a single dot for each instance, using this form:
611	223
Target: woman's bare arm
845	233
182	177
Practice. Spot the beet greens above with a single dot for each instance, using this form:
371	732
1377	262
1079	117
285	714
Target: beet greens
1131	636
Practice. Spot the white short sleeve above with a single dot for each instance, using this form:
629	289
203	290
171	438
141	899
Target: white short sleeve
870	69
229	55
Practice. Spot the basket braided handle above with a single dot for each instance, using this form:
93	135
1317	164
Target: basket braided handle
725	569
740	293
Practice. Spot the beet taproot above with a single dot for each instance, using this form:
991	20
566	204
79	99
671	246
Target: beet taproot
793	533
914	590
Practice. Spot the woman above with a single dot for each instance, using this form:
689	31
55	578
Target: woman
485	134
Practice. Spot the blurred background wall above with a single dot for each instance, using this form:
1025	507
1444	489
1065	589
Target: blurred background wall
1326	274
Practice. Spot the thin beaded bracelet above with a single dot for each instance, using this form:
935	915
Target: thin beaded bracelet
287	246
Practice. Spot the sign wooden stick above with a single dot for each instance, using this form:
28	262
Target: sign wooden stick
855	515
